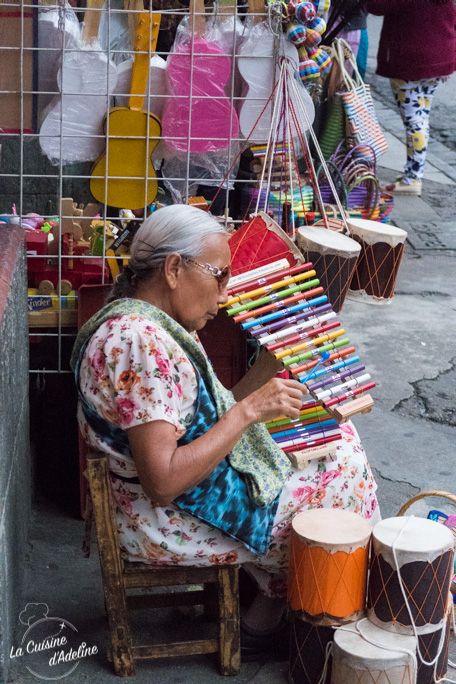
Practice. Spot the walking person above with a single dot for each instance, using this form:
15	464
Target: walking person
416	52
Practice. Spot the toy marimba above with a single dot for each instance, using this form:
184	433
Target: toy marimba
287	311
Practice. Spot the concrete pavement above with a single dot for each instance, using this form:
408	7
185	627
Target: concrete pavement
409	437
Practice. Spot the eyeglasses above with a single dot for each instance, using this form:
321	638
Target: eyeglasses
222	275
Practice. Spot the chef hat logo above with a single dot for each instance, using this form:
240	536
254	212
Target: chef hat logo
33	612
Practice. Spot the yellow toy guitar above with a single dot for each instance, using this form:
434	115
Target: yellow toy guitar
128	180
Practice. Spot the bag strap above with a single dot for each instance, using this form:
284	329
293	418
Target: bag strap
356	80
341	58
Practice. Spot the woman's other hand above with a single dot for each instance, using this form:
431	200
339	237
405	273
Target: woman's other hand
277	397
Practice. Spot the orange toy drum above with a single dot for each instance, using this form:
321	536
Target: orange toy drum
328	566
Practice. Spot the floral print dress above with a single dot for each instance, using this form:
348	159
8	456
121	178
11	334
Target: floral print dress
133	372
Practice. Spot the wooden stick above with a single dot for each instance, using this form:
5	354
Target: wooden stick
197	18
258	10
92	21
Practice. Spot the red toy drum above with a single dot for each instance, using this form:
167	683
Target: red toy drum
382	248
334	258
410	575
308	644
328	566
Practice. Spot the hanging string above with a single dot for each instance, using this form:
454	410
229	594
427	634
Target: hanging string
303	112
404	596
243	148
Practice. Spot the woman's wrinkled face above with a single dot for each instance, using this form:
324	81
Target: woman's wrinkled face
198	294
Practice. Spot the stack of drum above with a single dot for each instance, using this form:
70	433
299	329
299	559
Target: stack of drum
405	638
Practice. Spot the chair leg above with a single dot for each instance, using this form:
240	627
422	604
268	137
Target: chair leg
229	620
119	631
111	567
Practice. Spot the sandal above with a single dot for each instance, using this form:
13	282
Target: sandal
401	188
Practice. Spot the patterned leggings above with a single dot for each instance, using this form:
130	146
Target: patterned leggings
414	99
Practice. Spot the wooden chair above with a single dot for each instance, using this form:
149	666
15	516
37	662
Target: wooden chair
119	576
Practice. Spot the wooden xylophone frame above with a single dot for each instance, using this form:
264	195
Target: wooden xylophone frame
279	303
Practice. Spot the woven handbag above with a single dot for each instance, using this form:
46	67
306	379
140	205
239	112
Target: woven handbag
359	109
332	112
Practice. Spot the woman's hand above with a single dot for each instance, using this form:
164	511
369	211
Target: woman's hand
277	397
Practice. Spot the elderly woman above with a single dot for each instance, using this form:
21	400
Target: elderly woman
196	478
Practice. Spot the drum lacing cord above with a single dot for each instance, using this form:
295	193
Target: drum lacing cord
443	635
356	629
325	671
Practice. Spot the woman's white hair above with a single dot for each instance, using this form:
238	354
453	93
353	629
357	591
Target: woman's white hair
179	229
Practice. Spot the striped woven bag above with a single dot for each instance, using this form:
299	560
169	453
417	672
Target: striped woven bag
359	109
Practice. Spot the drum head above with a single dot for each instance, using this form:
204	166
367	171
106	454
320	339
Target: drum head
353	644
419	539
332	529
324	241
372	232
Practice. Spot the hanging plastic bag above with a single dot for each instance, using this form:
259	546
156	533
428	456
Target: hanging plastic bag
57	30
199	118
72	131
199	122
114	34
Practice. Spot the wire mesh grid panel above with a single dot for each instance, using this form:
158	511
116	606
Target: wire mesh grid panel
110	110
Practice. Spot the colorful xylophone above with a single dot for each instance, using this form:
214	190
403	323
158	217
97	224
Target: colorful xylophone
286	310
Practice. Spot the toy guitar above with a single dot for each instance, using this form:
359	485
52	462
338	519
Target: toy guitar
157	88
85	80
198	70
259	68
128	180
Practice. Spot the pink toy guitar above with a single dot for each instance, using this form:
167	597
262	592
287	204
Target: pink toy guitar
212	116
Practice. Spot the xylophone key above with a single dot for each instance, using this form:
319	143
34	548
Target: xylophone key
289	321
312	443
284	312
334	378
313	352
266	279
297	328
312	364
286	341
270	298
348	385
289	280
330	369
278	305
